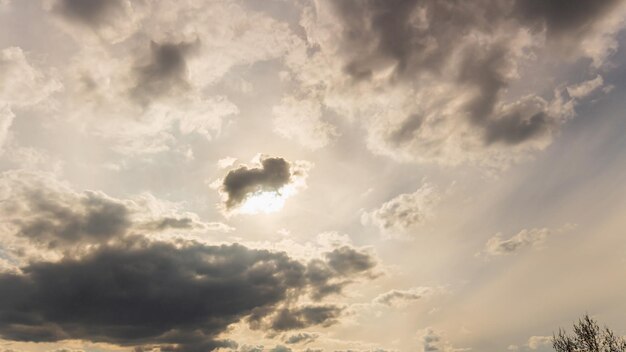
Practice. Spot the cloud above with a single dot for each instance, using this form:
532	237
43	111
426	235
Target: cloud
165	72
305	316
39	210
405	211
274	176
280	348
96	20
583	89
563	18
156	294
114	280
301	337
331	275
395	298
432	341
151	66
527	238
23	86
535	342
433	81
89	12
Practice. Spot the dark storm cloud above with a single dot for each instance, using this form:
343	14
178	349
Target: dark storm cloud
55	220
89	12
165	73
301	337
238	184
154	294
304	317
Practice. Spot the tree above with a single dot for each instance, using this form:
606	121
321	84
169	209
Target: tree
588	337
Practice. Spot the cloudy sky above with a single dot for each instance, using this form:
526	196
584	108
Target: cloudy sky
310	175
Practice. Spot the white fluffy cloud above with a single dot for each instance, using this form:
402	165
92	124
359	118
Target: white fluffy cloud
585	88
404	212
526	238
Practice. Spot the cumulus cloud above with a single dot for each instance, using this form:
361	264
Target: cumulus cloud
405	211
535	342
330	275
274	177
432	340
150	66
39	210
127	287
150	91
305	316
527	238
280	348
301	337
431	79
165	72
90	12
96	20
158	293
154	294
395	298
583	89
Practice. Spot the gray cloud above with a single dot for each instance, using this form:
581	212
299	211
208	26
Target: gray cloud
306	316
172	223
165	73
280	348
89	12
496	245
347	261
65	220
399	297
272	174
405	40
39	210
331	275
154	294
562	17
248	348
440	80
125	288
301	337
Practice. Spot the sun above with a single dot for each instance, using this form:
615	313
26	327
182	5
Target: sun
266	201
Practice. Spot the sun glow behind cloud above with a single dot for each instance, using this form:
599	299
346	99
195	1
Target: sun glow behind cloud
267	202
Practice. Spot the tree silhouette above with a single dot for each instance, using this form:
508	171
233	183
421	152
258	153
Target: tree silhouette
588	337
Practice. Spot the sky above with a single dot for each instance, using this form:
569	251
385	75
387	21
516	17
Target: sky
310	175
